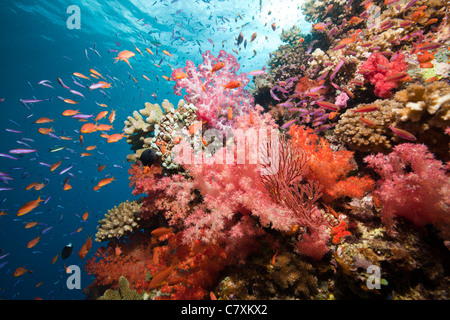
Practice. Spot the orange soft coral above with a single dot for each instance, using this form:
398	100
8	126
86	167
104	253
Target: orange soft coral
330	168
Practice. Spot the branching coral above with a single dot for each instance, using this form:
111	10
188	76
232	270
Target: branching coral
413	185
139	127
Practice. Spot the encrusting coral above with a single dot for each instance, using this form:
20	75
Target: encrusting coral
119	221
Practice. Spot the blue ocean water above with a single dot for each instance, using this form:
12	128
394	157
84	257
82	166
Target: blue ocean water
38	45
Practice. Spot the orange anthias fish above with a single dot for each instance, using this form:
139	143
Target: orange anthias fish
217	66
85	248
85	216
54	259
33	242
161	231
88	128
112	116
150	51
105	181
195	127
160	277
55	165
115	137
80	75
43	120
232	85
69	113
167	53
96	73
30	224
417	15
104	127
70	101
100	168
124	56
20	271
29	206
180	75
230	113
45	130
425	57
101	115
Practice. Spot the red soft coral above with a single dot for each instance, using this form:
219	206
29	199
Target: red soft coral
413	185
378	70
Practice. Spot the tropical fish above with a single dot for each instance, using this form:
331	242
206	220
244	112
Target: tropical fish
80	75
115	137
29	206
30	224
96	73
43	120
232	85
69	113
33	242
101	115
159	278
402	133
219	65
105	181
124	56
20	271
88	128
367	108
161	231
66	251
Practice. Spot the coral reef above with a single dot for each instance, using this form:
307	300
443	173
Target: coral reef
119	221
123	293
368	131
413	185
332	195
138	127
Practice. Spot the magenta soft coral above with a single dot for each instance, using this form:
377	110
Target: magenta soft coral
205	89
413	185
384	75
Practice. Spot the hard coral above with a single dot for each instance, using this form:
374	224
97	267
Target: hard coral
382	73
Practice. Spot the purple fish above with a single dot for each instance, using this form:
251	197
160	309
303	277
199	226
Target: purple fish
4	155
77	93
13	131
82	116
288	124
22	151
65	170
62	84
46	230
113	50
29	100
2	99
86	54
6	189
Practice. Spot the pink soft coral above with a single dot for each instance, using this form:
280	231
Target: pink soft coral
205	89
413	185
377	69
